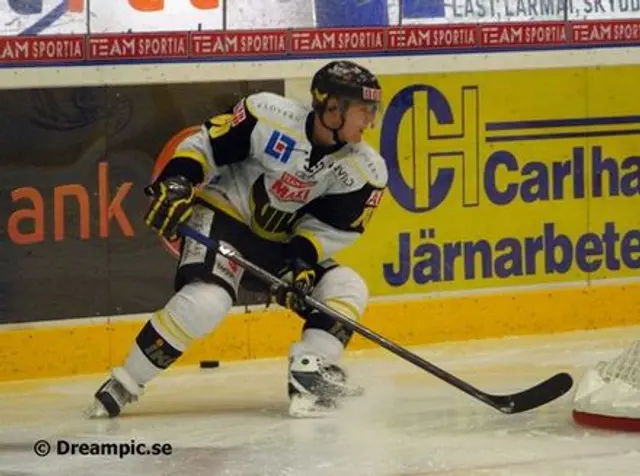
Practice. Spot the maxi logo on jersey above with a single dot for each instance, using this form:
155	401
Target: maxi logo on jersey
280	147
288	188
447	147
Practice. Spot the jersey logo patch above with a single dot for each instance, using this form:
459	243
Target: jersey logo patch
239	114
343	175
291	189
371	94
280	147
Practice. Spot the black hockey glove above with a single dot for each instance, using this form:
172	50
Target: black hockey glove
302	279
170	207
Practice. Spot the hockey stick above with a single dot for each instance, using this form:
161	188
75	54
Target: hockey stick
533	397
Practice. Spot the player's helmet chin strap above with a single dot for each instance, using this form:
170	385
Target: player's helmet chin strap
344	104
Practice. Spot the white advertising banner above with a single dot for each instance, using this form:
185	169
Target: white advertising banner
62	17
37	17
56	17
118	16
498	11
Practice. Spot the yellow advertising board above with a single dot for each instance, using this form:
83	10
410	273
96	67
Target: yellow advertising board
506	178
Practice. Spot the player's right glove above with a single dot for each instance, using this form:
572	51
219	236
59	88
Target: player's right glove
171	205
300	279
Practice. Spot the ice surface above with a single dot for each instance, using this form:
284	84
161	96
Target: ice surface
233	421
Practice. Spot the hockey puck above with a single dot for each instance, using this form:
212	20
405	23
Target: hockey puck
209	364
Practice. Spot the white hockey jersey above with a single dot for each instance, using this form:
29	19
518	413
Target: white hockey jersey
257	164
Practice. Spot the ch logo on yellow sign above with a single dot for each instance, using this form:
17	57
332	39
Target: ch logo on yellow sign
427	143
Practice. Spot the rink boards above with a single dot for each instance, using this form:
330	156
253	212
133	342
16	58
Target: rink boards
70	348
512	208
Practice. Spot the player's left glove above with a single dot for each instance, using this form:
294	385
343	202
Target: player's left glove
301	279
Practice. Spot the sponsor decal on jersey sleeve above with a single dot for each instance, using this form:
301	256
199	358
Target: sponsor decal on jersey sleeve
374	199
239	114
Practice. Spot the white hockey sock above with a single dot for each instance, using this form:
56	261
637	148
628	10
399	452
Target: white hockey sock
155	348
190	314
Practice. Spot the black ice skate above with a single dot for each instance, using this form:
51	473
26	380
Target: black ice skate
316	387
114	394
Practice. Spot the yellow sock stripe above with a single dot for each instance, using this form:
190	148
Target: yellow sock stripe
169	324
179	328
164	327
346	307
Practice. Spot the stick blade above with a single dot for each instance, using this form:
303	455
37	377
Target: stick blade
536	396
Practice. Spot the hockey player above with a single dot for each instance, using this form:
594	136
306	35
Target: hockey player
287	186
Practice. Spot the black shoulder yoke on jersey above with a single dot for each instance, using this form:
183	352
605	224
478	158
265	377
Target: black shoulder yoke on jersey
345	211
230	140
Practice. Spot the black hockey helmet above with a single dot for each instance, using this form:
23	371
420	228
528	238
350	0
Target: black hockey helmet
344	80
